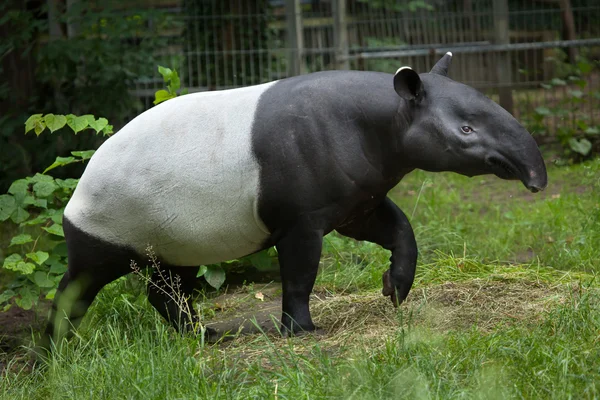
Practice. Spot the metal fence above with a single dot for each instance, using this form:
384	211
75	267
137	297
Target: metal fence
514	50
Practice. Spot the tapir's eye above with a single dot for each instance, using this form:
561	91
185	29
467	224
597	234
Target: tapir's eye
466	129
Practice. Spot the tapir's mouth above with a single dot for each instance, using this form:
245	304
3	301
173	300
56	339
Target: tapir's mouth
503	168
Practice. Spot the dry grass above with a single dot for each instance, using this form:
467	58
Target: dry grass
355	322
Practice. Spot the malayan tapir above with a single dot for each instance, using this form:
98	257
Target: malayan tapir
214	176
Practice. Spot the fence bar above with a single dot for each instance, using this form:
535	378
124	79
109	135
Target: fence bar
475	49
295	37
569	26
340	34
503	70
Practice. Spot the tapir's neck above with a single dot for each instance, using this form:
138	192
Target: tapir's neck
384	119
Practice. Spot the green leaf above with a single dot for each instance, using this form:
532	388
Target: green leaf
25	268
39	126
57	216
581	146
41	279
215	276
543	111
21	239
89	118
20	215
108	129
85	155
576	93
99	124
30	123
55	122
28	298
162	95
582	125
201	271
57	267
68	183
261	260
44	189
592	130
55	229
41	203
60	249
7	295
19	187
60	162
8	205
77	123
40	219
29	200
15	262
41	178
39	257
558	82
12	259
175	82
584	66
165	72
50	295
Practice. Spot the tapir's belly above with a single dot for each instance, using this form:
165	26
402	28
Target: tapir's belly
180	178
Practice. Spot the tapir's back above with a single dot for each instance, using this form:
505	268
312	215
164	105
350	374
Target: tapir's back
180	177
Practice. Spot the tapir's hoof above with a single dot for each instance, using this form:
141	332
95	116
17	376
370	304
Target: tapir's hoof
389	289
316	332
212	336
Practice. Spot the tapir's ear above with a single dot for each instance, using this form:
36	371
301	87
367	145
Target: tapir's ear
442	66
408	84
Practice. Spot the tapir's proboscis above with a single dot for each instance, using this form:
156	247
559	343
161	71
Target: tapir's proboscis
209	177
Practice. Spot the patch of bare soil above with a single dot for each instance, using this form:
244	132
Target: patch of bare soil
16	326
486	304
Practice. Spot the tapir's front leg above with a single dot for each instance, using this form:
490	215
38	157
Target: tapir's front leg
389	227
299	253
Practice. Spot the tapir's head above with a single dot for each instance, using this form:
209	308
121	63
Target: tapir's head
456	128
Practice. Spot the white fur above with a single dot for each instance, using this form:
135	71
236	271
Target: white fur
401	68
180	177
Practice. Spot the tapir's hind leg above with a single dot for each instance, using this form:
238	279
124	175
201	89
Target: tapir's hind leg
170	291
92	264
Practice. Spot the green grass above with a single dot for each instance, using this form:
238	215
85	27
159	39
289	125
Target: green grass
506	304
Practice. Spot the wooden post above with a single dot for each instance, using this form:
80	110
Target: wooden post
569	28
503	67
340	34
53	23
73	10
295	38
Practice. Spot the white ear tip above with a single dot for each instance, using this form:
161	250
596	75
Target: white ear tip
449	53
401	68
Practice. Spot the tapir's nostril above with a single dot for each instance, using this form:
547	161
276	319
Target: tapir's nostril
535	189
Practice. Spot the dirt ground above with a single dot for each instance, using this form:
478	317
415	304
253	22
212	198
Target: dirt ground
449	306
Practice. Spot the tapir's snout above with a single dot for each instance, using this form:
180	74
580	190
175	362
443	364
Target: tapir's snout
525	164
533	168
537	181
